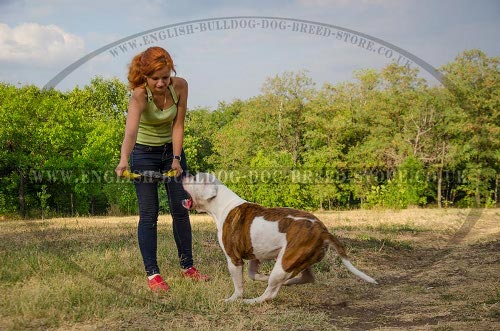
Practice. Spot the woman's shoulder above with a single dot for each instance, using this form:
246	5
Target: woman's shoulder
139	94
179	83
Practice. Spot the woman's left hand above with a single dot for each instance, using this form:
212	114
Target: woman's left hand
176	165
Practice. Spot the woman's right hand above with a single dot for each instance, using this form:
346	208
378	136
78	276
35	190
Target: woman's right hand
122	166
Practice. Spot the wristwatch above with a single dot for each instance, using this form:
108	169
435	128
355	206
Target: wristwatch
177	157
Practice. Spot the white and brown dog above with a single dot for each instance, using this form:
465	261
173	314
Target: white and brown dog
247	231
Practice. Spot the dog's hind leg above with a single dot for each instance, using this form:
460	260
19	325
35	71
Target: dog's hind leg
253	271
306	276
276	279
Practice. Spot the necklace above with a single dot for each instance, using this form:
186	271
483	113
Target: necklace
164	101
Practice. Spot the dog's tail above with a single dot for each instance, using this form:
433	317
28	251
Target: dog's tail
341	251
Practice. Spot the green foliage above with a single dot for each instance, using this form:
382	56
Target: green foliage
44	197
198	147
408	187
121	198
270	181
61	144
385	139
474	80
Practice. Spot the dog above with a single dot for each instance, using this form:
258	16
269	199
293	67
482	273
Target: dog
247	231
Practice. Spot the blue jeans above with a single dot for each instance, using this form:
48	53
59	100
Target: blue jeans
159	158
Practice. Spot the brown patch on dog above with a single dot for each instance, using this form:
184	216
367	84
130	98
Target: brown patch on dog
236	234
307	237
306	244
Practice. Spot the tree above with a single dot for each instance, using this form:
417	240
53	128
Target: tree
287	96
103	106
198	139
474	80
40	131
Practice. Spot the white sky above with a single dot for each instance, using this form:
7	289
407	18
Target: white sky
38	39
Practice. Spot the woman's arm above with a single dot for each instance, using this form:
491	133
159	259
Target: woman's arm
181	88
136	106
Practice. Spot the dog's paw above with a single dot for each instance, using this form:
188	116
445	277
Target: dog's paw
260	278
252	301
298	281
233	297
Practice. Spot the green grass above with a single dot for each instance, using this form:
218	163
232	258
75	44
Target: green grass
90	274
87	273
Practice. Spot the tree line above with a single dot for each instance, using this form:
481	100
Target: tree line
387	138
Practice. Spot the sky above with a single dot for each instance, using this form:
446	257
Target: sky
224	58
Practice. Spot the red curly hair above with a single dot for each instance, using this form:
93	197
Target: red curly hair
147	62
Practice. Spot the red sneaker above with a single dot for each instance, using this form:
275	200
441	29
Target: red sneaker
157	284
194	274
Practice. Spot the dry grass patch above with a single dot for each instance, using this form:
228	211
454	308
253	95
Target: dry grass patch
438	270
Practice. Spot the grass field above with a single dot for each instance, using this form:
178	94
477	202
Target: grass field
438	270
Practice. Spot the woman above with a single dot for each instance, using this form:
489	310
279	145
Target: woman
154	134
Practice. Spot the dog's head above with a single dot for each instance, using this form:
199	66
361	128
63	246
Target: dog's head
202	188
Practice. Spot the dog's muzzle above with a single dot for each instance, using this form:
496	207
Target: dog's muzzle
187	203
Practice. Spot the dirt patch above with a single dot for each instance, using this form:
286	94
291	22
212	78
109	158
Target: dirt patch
443	280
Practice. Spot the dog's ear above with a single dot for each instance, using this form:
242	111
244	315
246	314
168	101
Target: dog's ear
209	192
209	187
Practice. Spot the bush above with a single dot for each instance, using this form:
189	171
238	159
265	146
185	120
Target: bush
409	187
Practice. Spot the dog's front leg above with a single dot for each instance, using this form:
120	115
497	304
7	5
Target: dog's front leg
237	276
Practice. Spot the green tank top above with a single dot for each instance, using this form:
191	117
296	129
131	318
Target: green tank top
155	125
